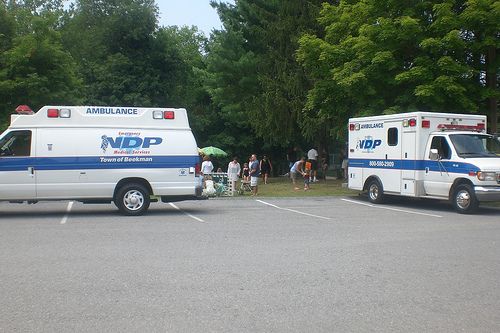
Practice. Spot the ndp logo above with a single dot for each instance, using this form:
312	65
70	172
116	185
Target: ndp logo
129	142
368	144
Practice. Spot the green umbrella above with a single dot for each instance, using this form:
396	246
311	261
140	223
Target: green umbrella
213	151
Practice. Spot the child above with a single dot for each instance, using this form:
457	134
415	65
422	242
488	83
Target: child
306	173
246	172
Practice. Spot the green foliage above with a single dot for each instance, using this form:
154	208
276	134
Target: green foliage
386	56
253	75
279	72
34	67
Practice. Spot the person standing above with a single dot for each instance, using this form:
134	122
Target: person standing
254	174
312	156
295	170
233	172
265	168
206	167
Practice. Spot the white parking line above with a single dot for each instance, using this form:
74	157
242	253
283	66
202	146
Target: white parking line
191	216
68	210
389	208
293	210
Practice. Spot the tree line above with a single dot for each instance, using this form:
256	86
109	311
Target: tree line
280	73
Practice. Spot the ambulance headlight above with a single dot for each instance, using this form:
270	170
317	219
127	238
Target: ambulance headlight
65	113
157	114
487	176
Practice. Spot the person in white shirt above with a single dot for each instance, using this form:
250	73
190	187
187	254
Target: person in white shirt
233	172
206	167
312	156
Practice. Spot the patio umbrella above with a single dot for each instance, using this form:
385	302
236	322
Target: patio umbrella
213	151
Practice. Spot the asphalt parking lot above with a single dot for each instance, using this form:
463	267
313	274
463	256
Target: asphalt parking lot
335	264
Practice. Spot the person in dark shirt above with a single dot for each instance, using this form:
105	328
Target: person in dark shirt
265	168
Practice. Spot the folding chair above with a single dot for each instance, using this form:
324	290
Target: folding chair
244	187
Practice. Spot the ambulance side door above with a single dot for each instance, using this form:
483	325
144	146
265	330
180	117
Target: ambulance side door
17	176
57	170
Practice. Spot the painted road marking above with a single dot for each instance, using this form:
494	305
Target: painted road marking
293	210
186	213
68	210
389	208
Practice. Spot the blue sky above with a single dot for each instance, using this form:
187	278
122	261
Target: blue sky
189	12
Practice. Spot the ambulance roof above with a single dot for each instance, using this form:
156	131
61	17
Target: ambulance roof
418	114
102	117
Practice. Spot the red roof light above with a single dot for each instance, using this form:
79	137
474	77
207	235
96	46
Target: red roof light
52	113
24	109
168	115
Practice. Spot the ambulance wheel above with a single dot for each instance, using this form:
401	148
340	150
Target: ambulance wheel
375	192
132	199
464	199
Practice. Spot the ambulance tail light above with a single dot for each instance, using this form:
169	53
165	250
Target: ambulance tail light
197	169
53	113
426	124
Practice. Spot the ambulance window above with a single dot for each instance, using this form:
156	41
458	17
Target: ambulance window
16	143
442	146
392	136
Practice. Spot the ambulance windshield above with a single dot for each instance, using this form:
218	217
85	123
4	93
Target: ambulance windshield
475	145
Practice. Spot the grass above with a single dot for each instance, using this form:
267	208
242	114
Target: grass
283	187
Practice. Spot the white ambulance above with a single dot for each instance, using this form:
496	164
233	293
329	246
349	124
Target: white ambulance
99	154
425	155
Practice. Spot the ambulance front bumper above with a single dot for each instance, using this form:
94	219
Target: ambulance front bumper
487	193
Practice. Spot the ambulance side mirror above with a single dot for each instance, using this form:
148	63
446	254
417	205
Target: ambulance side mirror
434	155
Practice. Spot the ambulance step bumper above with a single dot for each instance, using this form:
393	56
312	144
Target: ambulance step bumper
487	193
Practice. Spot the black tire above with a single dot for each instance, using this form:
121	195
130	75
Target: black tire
375	192
132	199
464	199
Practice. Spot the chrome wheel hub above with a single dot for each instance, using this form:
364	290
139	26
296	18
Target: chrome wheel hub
463	199
133	200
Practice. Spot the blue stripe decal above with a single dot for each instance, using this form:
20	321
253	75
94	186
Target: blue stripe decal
97	162
453	167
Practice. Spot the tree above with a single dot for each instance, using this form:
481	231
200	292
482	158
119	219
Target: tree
253	74
34	67
390	56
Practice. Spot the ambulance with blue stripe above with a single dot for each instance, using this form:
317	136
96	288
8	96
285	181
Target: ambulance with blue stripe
425	155
96	154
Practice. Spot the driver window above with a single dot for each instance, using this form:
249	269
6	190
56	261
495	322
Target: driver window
442	146
16	143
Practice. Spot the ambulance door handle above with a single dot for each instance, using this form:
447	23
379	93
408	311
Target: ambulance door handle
426	169
385	156
31	170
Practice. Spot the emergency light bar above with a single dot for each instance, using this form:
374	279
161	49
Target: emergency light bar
24	109
454	127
